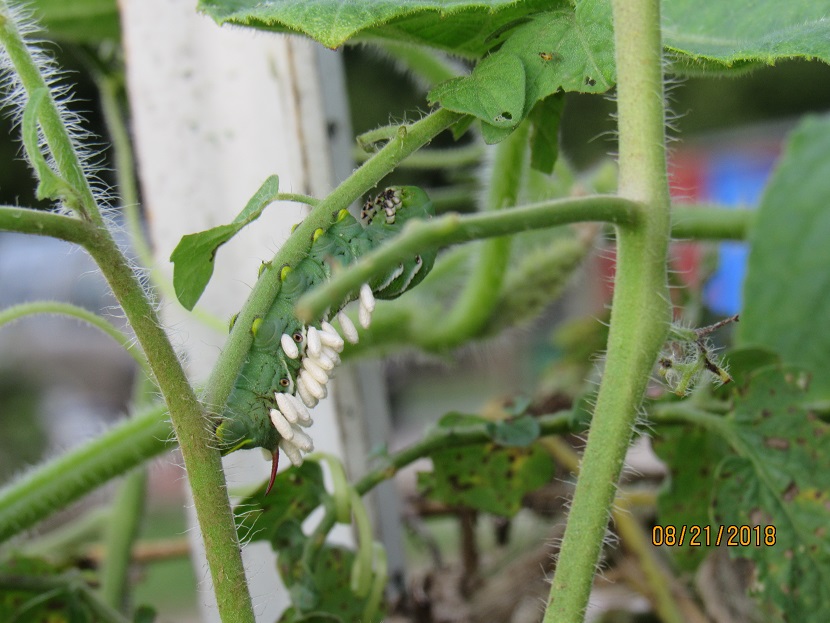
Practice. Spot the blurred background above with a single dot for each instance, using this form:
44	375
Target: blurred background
62	383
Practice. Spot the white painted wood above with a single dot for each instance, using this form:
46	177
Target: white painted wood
215	111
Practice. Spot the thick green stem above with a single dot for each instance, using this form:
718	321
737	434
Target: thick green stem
632	538
421	236
640	308
40	223
193	431
61	481
475	304
406	141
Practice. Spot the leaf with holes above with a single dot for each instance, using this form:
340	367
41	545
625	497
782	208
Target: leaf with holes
488	477
570	49
323	590
686	497
780	478
276	517
494	92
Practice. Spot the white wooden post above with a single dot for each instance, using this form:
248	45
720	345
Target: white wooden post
215	111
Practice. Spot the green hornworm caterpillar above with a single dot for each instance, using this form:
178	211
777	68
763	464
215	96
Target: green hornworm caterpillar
288	365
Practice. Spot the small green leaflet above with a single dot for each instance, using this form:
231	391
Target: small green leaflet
544	139
494	92
570	49
194	255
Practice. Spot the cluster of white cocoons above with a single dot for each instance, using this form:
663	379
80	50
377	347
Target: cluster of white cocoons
323	346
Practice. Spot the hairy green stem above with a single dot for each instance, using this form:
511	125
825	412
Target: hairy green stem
475	304
267	287
193	431
711	223
41	223
435	158
640	307
10	314
421	236
50	487
631	537
60	143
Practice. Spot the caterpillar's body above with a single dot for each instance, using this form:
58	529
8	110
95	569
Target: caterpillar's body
288	362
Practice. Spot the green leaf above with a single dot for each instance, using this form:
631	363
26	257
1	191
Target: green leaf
544	139
465	27
323	593
735	33
487	477
781	478
787	287
570	49
78	21
494	92
276	517
691	456
194	255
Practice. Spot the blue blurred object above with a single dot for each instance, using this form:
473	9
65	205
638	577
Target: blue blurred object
733	178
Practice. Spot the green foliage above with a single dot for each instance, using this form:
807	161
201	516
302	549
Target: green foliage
489	477
193	257
564	50
716	35
765	463
780	477
786	289
277	517
776	473
43	593
692	456
78	21
323	594
460	26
